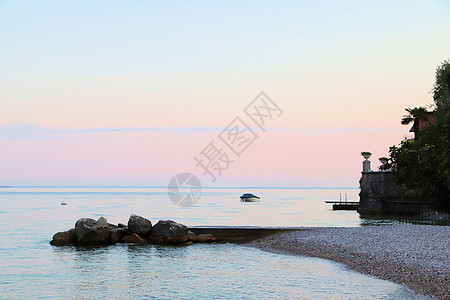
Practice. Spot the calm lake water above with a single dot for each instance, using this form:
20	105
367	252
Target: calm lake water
30	268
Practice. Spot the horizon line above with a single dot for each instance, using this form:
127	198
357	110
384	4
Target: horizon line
205	187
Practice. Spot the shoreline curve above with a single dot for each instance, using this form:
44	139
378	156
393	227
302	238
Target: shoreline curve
417	256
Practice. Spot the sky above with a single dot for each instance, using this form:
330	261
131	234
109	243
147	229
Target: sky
119	93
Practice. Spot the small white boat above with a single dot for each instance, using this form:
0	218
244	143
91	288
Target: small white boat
64	202
249	198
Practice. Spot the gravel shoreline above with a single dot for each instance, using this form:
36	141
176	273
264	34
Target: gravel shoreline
414	255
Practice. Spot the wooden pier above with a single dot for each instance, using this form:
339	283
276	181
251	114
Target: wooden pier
343	204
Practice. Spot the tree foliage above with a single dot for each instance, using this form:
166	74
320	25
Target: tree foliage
423	165
414	115
441	90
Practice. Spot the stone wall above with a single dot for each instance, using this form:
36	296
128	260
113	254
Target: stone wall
379	195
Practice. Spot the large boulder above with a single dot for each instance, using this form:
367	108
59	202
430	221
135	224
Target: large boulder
139	225
169	232
64	238
92	232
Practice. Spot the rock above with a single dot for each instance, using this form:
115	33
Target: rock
121	225
169	232
201	238
115	235
123	231
112	226
91	232
139	225
206	238
102	221
64	238
133	239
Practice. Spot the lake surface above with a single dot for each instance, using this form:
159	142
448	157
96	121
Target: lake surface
30	268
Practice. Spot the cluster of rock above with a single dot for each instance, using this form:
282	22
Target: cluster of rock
139	230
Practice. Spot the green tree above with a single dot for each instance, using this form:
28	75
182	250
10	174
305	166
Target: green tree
441	98
441	90
423	165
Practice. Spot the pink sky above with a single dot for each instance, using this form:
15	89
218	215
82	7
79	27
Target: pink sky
151	158
342	74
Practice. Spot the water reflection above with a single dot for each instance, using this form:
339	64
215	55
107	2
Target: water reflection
377	220
200	271
32	269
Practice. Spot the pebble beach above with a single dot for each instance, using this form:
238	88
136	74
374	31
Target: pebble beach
413	255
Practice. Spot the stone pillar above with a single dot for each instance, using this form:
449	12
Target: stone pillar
366	166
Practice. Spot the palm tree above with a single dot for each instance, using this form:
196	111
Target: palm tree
415	115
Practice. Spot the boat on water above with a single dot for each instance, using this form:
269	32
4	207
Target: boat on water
249	198
64	202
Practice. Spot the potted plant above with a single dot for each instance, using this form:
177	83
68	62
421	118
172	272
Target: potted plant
366	154
385	165
384	160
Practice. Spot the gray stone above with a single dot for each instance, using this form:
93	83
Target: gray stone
169	232
139	225
91	232
102	221
64	238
